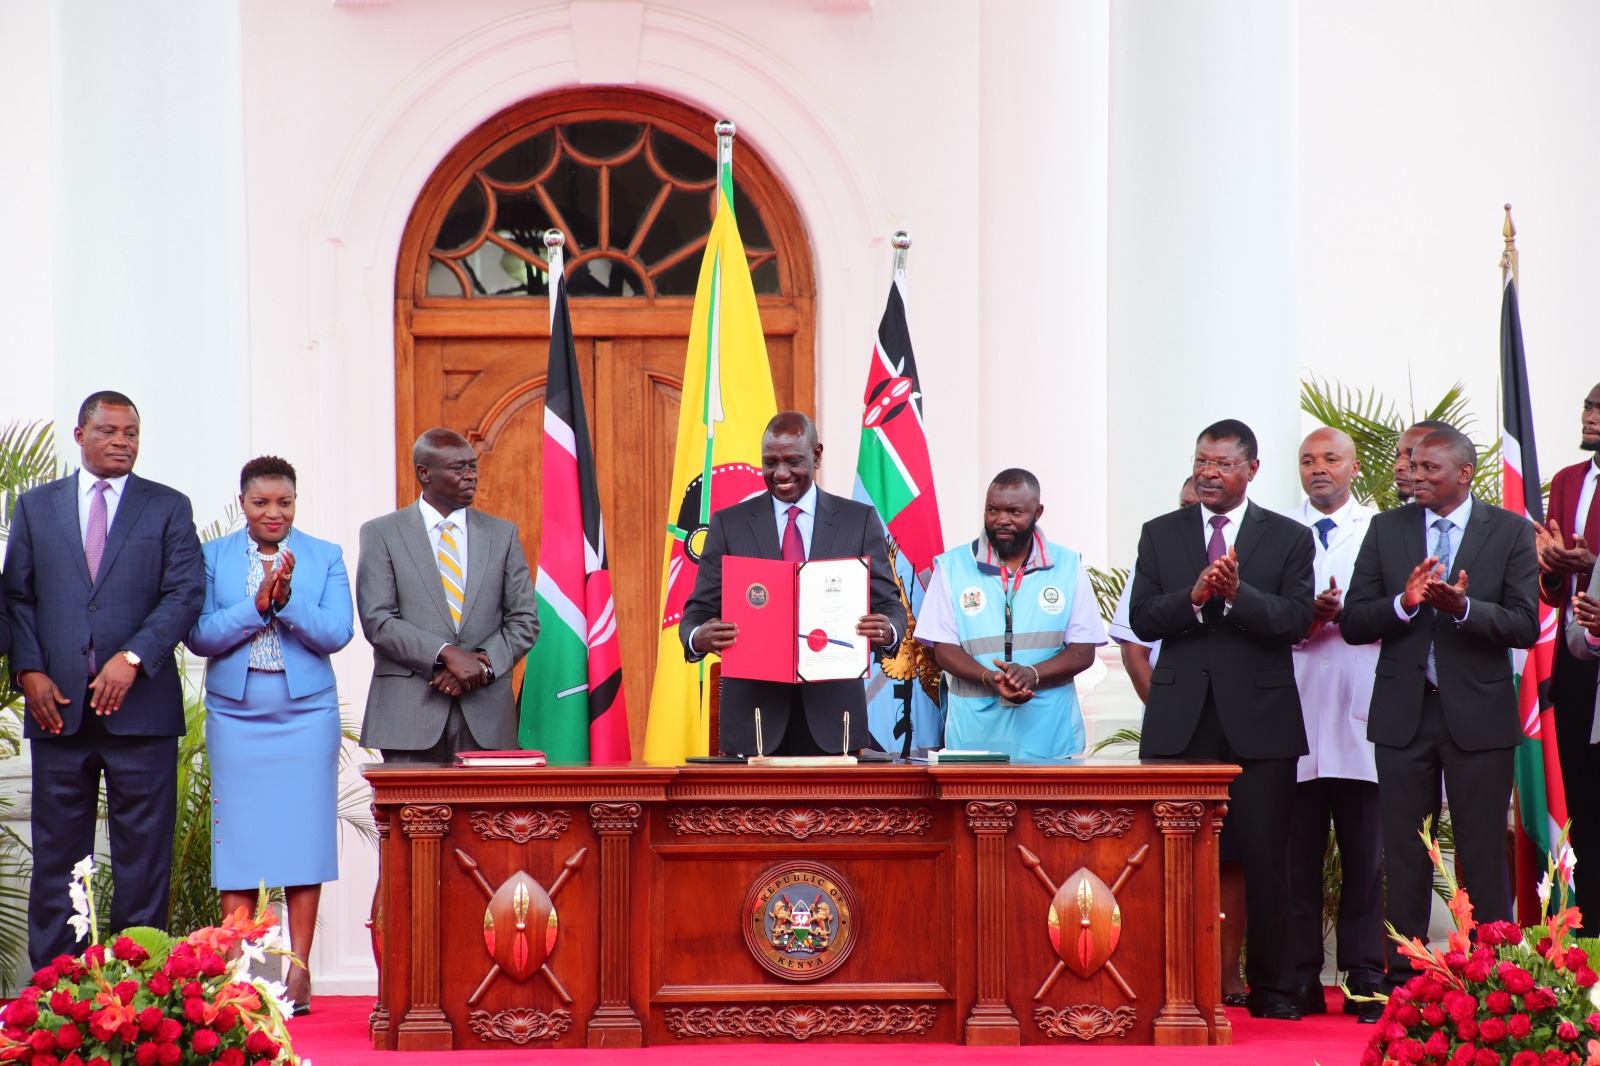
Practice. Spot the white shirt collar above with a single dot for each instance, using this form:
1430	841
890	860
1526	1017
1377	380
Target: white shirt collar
86	483
1457	518
806	503
432	518
1341	518
1206	513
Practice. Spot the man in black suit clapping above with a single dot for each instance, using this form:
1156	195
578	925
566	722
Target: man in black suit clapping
1444	705
1227	589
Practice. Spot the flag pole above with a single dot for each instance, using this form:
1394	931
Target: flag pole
1508	258
554	258
725	131
902	244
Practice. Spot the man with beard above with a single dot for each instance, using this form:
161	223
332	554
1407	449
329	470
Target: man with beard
1337	781
1402	455
1227	588
1448	584
1566	564
1011	619
793	521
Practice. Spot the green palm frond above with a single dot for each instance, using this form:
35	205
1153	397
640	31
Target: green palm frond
16	869
27	459
1131	737
1107	585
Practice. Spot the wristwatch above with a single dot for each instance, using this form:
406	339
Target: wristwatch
132	659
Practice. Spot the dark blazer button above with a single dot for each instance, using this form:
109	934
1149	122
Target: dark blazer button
84	650
93	607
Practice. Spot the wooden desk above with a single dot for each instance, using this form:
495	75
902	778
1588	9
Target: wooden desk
909	903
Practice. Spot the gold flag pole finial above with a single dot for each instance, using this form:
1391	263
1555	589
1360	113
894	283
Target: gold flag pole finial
1508	258
901	242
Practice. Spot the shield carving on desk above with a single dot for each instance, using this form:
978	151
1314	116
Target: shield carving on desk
519	926
1085	922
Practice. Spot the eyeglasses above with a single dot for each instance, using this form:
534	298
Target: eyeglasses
1222	466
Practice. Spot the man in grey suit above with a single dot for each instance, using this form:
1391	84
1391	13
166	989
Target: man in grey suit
796	521
1444	703
446	602
103	578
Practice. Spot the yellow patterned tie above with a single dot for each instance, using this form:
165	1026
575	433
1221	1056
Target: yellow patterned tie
450	571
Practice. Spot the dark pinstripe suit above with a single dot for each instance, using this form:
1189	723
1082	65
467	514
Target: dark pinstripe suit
842	529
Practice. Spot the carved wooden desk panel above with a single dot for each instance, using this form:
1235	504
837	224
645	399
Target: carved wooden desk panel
613	906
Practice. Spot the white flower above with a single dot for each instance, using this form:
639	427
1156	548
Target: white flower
278	993
85	868
1544	890
80	924
80	898
1594	995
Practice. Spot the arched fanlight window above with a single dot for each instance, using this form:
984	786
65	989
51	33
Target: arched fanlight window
634	199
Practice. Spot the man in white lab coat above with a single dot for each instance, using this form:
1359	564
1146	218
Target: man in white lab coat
1337	781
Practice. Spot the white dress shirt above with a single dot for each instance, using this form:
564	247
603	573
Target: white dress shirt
86	484
804	520
1121	630
434	520
1335	679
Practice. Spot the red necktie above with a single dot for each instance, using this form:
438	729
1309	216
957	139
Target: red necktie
794	549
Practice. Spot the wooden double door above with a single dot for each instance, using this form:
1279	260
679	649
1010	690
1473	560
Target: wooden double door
629	178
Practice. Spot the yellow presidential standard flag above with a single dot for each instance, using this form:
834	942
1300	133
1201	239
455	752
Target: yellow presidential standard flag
727	403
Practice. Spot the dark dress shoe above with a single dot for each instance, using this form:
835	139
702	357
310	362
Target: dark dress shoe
1369	1013
1311	999
1272	1008
1236	999
1368	988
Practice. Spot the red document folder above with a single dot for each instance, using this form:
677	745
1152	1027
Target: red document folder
763	598
758	596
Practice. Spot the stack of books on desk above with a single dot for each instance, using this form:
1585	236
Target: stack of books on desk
514	757
955	757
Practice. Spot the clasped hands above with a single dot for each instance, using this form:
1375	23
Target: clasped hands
1427	585
715	635
464	671
1556	559
275	579
1327	606
1586	612
106	692
1220	578
1012	682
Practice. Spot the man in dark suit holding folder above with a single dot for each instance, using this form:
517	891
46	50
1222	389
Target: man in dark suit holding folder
792	521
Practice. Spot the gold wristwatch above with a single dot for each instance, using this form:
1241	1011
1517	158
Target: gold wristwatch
132	659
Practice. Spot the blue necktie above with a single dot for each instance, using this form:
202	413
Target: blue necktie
1441	548
1324	527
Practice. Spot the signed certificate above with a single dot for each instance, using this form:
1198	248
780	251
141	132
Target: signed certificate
831	596
797	621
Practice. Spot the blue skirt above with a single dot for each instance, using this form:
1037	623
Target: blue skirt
274	785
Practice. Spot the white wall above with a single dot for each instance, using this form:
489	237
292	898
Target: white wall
27	195
1411	140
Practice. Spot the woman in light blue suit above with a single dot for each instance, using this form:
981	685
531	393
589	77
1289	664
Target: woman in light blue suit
277	606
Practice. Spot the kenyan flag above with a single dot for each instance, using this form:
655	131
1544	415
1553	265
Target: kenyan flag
572	701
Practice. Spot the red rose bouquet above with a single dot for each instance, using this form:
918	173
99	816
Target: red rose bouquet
152	999
1504	996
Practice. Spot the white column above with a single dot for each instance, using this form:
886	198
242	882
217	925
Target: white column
1203	245
149	233
1039	256
26	125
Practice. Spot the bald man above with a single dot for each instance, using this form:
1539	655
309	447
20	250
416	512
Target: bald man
446	601
1337	781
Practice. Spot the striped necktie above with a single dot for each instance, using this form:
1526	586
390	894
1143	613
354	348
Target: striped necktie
450	571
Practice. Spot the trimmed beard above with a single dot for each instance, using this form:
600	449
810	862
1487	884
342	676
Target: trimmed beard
1586	446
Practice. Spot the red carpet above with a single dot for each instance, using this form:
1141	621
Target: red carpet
335	1034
